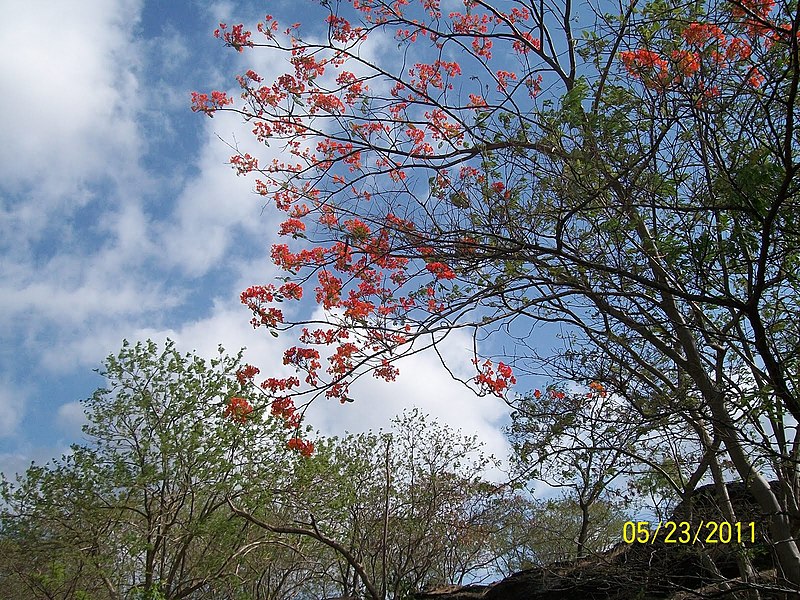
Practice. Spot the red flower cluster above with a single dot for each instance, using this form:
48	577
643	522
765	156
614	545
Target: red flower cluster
202	102
292	226
268	27
555	394
273	384
306	359
699	34
387	371
503	77
526	44
236	38
646	65
256	298
244	163
495	383
291	290
440	270
238	409
687	63
304	447
709	51
342	31
760	9
285	409
598	388
246	374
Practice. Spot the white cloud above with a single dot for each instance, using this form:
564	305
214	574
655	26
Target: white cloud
425	384
73	143
12	403
211	209
218	209
221	11
70	418
69	95
228	325
69	292
15	463
18	461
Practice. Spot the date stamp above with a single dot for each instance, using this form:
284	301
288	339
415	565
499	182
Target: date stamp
683	532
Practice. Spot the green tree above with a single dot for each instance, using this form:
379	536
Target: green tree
392	512
141	510
571	442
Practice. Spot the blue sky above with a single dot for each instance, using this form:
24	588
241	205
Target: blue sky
121	219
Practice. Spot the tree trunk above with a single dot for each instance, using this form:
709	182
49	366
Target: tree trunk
584	531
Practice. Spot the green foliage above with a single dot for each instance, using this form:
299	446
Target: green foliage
141	507
152	593
408	504
141	510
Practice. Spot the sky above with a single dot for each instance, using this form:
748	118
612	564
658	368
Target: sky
121	219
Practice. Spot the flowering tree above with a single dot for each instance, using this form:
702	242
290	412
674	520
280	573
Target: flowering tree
629	173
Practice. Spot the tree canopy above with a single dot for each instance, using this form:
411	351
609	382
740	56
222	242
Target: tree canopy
176	495
625	172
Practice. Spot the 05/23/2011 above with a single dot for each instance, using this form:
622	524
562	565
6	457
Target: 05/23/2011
684	532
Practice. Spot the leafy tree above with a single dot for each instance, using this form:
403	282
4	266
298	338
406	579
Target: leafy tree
628	172
572	442
393	511
47	551
141	509
556	527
